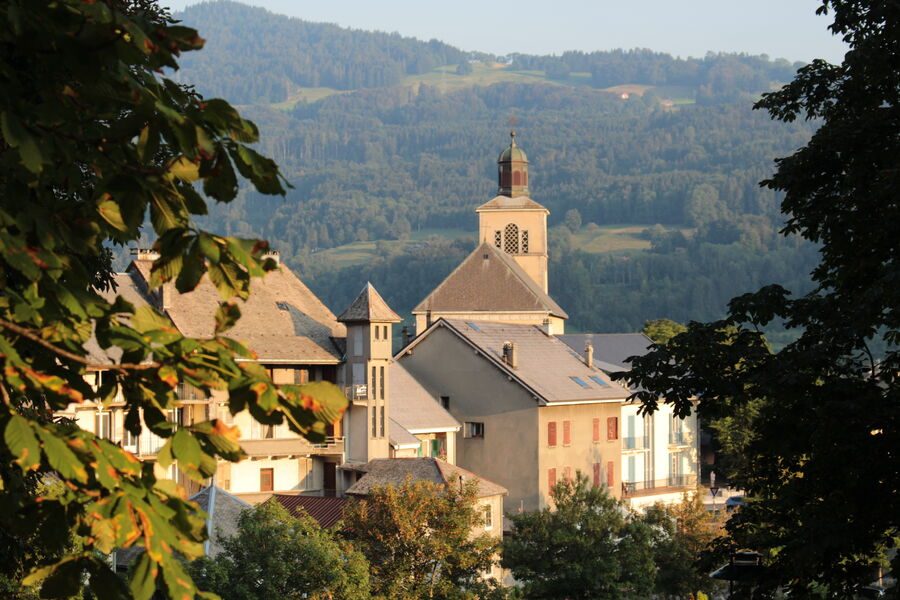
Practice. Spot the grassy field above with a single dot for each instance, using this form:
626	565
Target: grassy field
446	80
595	240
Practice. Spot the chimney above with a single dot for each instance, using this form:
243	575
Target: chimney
589	355
405	333
545	326
274	255
509	354
144	254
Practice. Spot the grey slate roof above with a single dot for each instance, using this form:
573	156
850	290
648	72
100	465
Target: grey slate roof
281	321
507	203
413	407
369	306
223	513
610	349
400	437
545	365
394	471
489	280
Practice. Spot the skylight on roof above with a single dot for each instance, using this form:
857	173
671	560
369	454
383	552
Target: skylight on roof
580	382
473	326
283	306
596	379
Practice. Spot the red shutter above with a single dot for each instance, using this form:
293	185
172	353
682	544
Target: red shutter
610	473
612	428
551	479
266	480
551	434
596	430
596	471
567	433
567	473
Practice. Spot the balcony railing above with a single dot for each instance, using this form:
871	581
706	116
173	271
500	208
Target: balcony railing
659	486
292	446
679	438
357	391
635	443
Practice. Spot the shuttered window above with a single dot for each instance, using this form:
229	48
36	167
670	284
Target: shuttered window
610	474
596	474
567	473
612	428
567	433
551	434
551	479
596	430
266	480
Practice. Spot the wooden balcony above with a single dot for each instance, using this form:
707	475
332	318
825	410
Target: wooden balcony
291	447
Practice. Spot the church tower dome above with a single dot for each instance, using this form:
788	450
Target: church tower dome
512	170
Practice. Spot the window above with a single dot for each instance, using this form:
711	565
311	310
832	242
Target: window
511	239
301	376
525	242
596	379
551	434
488	517
130	441
551	478
597	474
377	332
103	425
517	177
567	433
612	428
373	383
596	430
610	474
261	432
631	466
498	237
266	480
381	383
382	420
474	430
374	421
445	402
357	343
384	332
580	382
359	373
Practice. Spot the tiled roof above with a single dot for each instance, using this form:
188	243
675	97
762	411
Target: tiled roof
610	349
326	511
545	365
401	437
489	280
369	306
414	407
282	320
507	203
394	471
223	512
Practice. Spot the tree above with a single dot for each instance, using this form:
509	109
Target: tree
95	137
464	68
589	546
681	535
828	424
661	331
418	539
276	555
572	220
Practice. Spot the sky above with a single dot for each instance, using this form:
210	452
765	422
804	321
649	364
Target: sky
780	28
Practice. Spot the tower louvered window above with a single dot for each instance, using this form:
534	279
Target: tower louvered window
511	239
498	239
525	242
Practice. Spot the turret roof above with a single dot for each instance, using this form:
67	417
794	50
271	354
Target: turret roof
369	306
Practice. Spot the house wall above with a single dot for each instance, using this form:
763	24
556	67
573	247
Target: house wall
480	392
582	452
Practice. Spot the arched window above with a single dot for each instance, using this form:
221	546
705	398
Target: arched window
504	177
511	239
517	177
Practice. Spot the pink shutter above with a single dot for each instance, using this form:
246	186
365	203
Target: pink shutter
567	433
551	434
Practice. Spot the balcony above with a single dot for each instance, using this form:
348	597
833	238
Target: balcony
293	446
680	438
358	393
635	444
673	483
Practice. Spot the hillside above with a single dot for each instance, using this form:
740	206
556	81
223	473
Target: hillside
656	160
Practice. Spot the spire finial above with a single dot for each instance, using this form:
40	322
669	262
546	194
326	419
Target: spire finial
512	136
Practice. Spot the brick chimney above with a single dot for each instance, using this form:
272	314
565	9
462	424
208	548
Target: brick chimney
510	355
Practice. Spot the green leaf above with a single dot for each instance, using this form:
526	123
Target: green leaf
18	137
106	584
110	212
20	440
62	458
209	247
227	315
187	450
143	578
147	319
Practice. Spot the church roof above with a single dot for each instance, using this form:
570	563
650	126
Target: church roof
489	280
512	152
507	203
369	306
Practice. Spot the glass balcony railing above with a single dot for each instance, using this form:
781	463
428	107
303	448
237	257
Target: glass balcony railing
679	438
631	488
635	443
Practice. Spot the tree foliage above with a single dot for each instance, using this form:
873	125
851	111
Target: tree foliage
93	139
661	331
419	542
826	432
587	546
276	555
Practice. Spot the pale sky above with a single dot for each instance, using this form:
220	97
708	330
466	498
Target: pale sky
780	28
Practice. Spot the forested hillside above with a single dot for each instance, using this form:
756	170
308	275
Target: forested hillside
394	161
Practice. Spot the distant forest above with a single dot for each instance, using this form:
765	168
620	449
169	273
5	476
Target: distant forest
384	160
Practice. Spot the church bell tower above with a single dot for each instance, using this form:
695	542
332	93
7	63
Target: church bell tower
512	221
